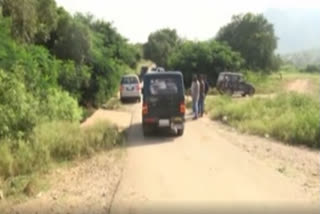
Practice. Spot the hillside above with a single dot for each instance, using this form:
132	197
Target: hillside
295	28
304	58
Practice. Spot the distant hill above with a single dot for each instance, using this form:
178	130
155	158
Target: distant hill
297	29
303	58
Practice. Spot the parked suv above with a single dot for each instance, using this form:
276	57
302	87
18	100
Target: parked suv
163	102
130	88
231	83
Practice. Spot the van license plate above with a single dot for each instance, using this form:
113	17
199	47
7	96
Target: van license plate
177	126
164	123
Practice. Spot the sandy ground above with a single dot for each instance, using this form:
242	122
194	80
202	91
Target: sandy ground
214	167
299	85
211	167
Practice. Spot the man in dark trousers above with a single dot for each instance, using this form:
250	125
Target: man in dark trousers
202	95
206	91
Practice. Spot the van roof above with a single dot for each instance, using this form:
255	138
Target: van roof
175	73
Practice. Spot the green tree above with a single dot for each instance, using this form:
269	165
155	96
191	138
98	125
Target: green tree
253	36
209	57
159	46
24	18
32	20
47	20
71	41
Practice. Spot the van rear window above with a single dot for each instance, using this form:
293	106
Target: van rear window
129	80
163	86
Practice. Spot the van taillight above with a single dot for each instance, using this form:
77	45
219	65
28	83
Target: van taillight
121	88
145	108
182	107
138	87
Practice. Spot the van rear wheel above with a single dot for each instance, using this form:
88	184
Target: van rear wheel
146	131
180	132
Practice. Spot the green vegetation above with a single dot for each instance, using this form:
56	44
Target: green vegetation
159	46
54	69
209	58
54	63
253	36
248	42
53	143
290	117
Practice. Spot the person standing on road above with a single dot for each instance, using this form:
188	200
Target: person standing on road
201	95
195	93
206	91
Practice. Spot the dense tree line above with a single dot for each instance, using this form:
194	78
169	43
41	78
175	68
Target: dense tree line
208	57
52	62
247	42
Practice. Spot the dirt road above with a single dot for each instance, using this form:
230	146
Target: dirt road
210	168
205	168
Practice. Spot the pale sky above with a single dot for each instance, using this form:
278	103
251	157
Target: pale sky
193	19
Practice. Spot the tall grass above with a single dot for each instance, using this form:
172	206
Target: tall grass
52	143
278	82
289	117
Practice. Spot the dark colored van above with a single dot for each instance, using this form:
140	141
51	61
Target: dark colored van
163	102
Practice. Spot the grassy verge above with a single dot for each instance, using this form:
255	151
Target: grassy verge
289	117
21	161
277	82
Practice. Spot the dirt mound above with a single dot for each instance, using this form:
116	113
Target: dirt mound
299	85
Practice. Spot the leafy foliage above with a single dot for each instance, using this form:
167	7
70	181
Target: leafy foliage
253	36
32	20
159	46
210	58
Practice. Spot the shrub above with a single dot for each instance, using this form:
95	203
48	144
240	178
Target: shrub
18	108
59	105
54	142
290	117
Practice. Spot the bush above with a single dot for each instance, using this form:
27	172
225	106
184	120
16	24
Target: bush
54	142
18	108
59	105
292	117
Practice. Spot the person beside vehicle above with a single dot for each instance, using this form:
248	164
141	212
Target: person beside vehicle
195	94
207	87
201	96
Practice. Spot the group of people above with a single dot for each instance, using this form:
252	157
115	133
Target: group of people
199	91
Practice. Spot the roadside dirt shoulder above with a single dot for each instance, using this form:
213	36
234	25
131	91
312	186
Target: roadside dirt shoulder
87	186
299	163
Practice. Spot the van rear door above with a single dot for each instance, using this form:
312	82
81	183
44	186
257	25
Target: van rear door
164	95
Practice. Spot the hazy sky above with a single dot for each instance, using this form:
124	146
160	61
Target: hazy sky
193	19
